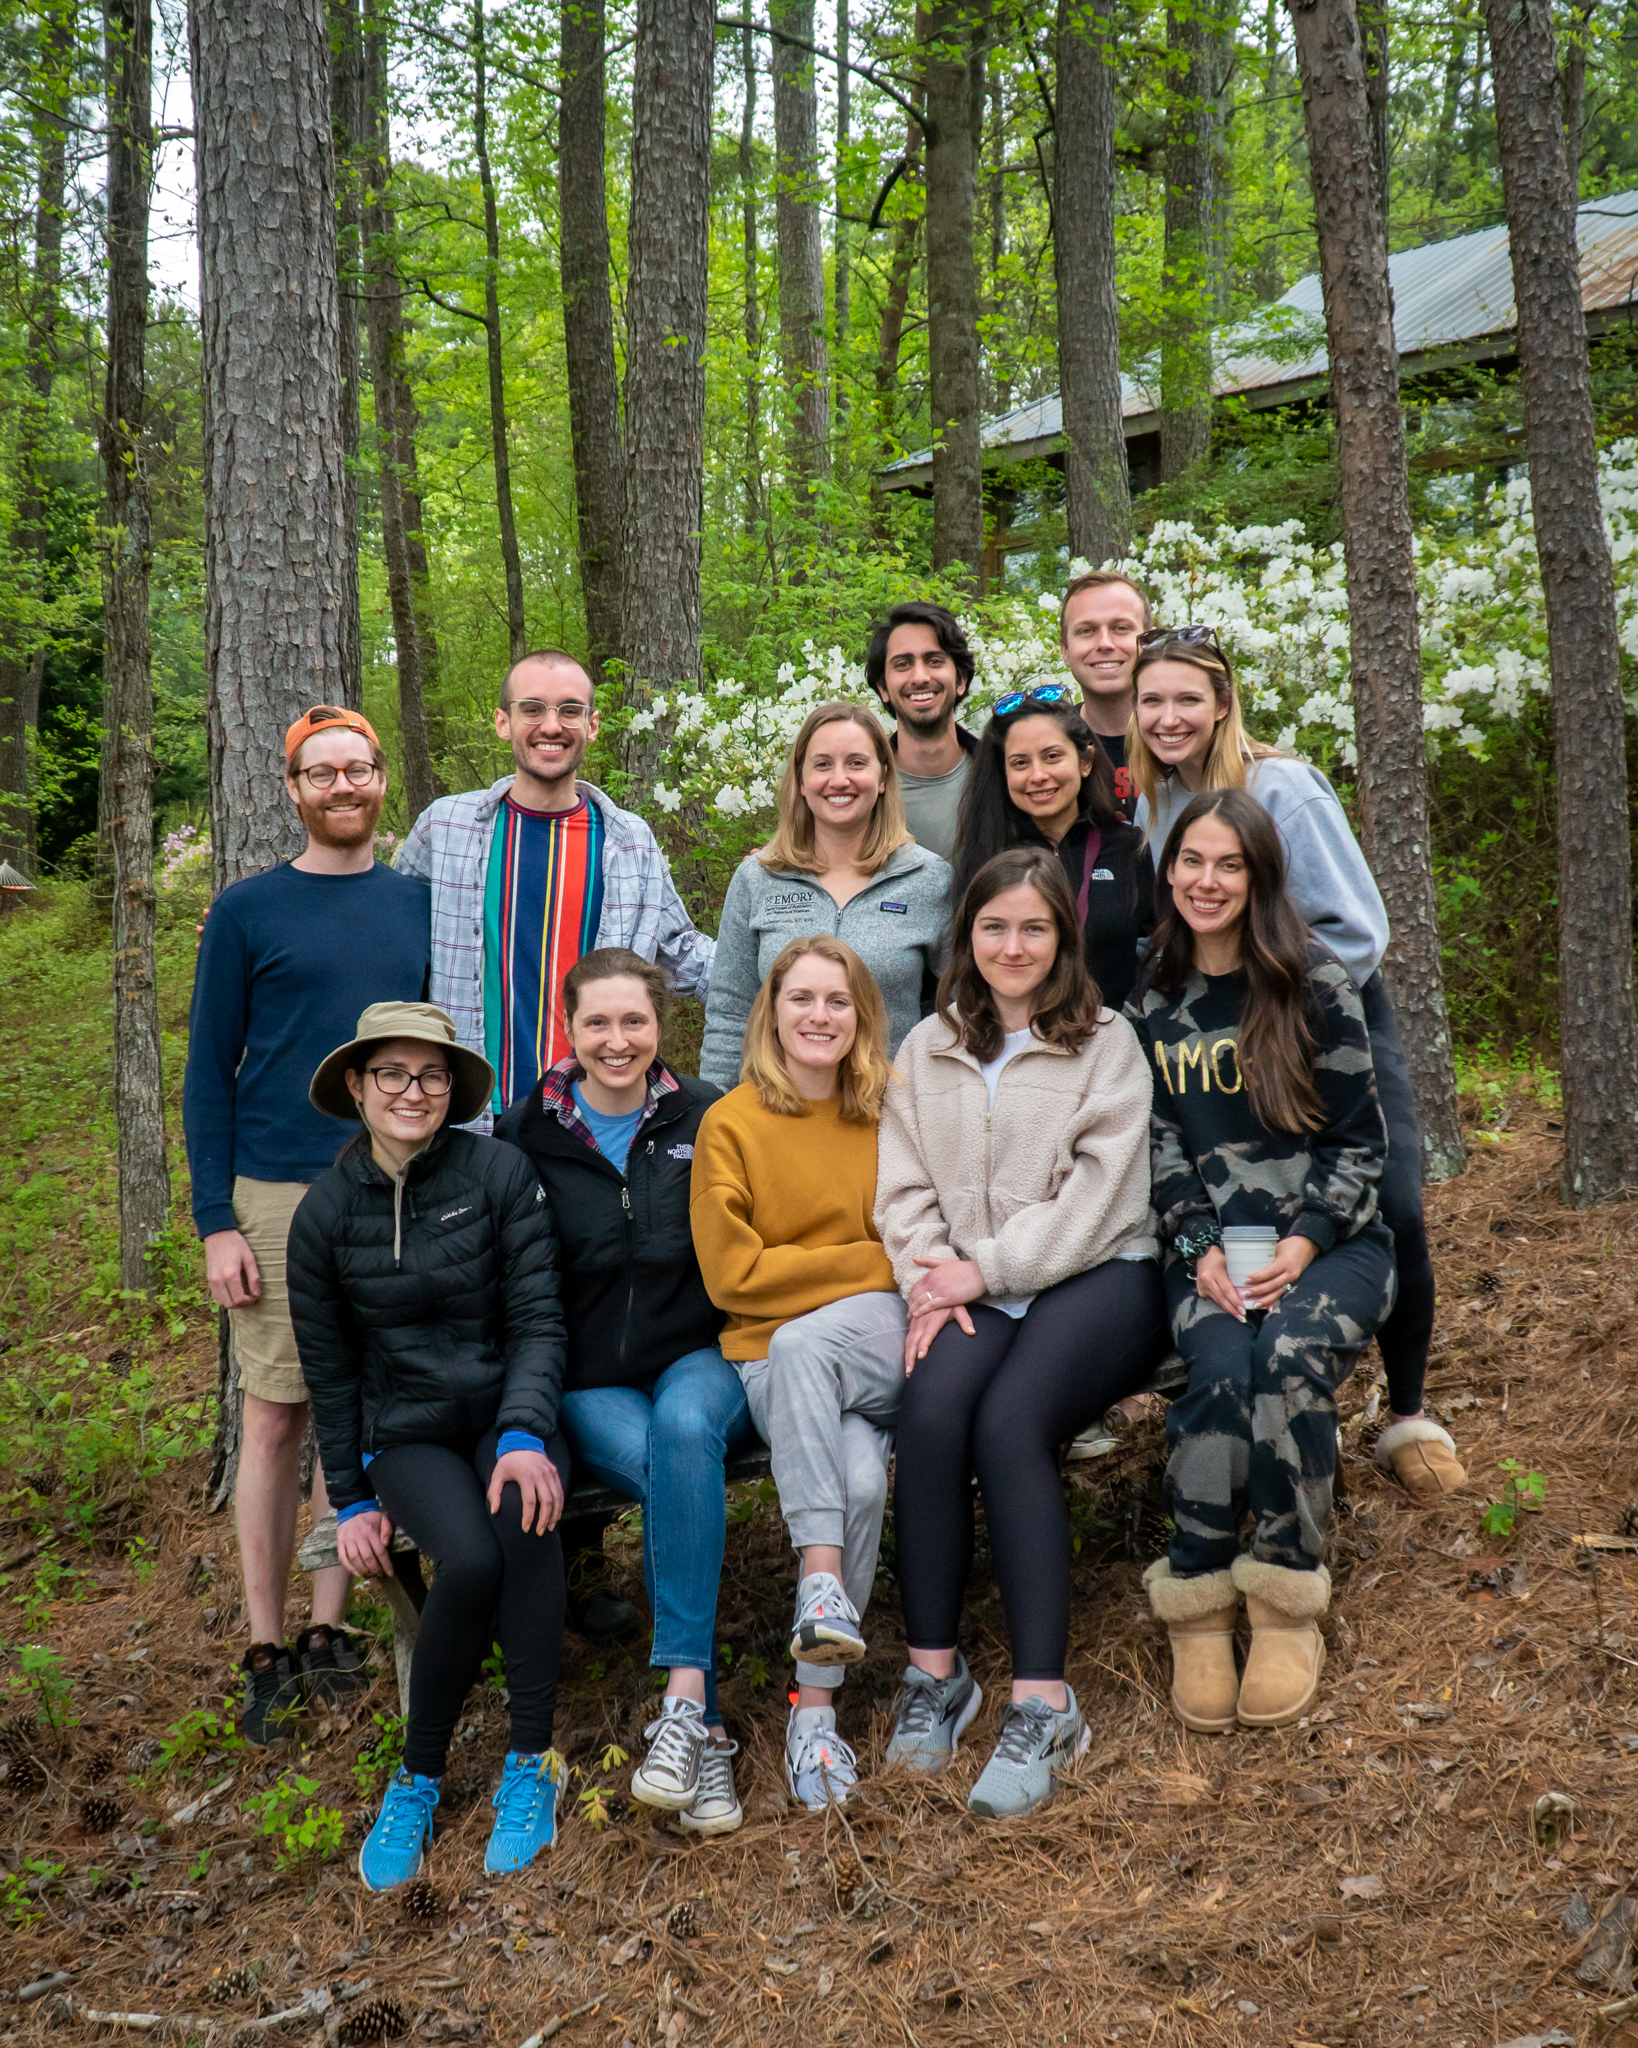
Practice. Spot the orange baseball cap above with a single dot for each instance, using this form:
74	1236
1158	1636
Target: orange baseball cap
320	719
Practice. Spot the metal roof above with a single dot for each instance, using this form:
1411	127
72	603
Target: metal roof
1452	300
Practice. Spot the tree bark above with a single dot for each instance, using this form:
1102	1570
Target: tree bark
799	229
1383	634
949	31
1187	289
1374	29
347	129
394	434
1097	486
753	311
901	270
270	326
1597	1033
517	632
128	698
666	326
588	329
22	652
842	259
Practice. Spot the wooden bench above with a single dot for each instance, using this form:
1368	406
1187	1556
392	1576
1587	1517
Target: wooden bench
405	1593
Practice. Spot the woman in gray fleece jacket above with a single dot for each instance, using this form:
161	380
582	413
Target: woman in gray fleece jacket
842	862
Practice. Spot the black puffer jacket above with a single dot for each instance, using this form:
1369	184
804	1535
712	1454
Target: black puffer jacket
633	1297
426	1310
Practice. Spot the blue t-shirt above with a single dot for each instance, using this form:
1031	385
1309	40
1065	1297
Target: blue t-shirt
613	1133
287	962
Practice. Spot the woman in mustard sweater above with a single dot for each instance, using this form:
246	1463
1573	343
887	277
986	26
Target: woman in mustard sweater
783	1190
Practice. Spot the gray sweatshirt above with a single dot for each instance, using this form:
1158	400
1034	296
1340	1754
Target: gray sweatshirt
898	924
1326	873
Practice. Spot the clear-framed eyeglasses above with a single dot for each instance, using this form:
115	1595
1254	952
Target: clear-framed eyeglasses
570	716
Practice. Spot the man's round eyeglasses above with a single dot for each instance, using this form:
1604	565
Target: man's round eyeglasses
1015	700
396	1080
359	773
1187	636
570	715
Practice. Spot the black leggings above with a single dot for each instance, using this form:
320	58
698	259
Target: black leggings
1002	1403
1404	1338
484	1563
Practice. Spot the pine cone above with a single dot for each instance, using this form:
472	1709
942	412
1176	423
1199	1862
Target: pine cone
376	2019
98	1812
685	1920
618	1812
419	1900
25	1774
17	1737
247	2037
228	1984
143	1754
99	1763
1629	1519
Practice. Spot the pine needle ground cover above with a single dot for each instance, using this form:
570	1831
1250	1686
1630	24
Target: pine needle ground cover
1434	1857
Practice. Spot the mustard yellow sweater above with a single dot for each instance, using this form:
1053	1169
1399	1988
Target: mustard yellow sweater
781	1208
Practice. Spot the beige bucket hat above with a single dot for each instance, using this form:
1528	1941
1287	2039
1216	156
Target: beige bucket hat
474	1078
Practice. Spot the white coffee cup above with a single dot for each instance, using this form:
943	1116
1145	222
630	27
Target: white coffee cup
1247	1247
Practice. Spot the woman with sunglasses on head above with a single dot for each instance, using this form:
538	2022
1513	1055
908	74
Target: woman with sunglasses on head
1268	1146
1039	778
1013	1199
424	1294
1188	736
842	862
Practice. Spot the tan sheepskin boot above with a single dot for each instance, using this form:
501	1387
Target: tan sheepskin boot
1199	1617
1422	1457
1282	1672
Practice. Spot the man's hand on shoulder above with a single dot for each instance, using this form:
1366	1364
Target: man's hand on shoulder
230	1269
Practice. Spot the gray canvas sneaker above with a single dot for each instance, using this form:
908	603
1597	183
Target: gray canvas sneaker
669	1776
716	1809
933	1715
1036	1743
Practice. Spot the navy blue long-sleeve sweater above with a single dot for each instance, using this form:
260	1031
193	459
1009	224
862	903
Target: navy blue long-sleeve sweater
287	962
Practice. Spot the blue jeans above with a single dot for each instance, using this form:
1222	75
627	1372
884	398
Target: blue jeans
665	1446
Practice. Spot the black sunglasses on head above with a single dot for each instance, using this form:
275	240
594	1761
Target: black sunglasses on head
1187	636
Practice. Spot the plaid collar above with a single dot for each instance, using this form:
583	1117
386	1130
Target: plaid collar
557	1095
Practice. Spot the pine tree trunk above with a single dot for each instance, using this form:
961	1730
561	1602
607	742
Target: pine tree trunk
1186	273
952	291
1597	1034
1384	638
384	323
1097	487
517	632
347	128
588	329
800	233
666	324
128	698
1374	28
22	652
753	311
901	271
841	259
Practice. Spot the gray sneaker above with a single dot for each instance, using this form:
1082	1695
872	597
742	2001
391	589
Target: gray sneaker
716	1809
826	1629
819	1767
669	1776
1036	1743
933	1715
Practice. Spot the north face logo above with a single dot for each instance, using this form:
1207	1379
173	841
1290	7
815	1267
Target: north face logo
680	1152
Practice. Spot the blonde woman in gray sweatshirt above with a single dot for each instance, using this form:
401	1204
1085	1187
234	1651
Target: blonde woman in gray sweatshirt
842	863
1012	1197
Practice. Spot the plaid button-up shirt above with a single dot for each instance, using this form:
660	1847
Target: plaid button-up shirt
448	846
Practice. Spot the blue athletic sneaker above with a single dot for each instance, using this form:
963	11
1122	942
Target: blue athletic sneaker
525	1810
395	1847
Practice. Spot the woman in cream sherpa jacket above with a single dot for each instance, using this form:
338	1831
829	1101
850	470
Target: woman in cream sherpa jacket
1012	1197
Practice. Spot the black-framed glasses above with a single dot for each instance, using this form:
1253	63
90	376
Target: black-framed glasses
570	716
359	773
1186	636
1015	700
435	1081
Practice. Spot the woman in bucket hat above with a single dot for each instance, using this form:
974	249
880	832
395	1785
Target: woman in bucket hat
424	1294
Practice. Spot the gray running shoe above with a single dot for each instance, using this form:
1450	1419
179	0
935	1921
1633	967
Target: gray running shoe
819	1767
933	1715
826	1629
716	1809
1036	1743
669	1776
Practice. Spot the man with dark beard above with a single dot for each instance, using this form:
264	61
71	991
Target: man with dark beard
287	960
921	667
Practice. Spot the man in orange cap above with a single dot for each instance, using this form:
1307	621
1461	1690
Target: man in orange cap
287	960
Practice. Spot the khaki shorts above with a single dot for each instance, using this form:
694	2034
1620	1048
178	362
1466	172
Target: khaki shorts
263	1340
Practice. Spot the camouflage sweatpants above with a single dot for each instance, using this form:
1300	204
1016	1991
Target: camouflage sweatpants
1257	1427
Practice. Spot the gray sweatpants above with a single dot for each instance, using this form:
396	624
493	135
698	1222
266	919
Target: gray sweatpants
824	1401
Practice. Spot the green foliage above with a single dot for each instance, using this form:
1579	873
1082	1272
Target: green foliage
1523	1490
199	1732
301	1833
378	1757
20	1890
41	1680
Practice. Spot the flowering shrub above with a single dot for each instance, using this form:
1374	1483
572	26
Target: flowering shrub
184	858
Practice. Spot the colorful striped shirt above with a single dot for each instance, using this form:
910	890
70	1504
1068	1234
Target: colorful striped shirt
543	899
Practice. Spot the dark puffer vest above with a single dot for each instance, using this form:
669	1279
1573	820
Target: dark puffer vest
426	1307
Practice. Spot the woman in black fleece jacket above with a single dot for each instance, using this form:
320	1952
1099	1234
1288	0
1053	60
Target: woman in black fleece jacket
423	1282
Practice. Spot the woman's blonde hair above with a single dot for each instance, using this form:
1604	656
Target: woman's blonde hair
864	1072
1231	745
792	844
